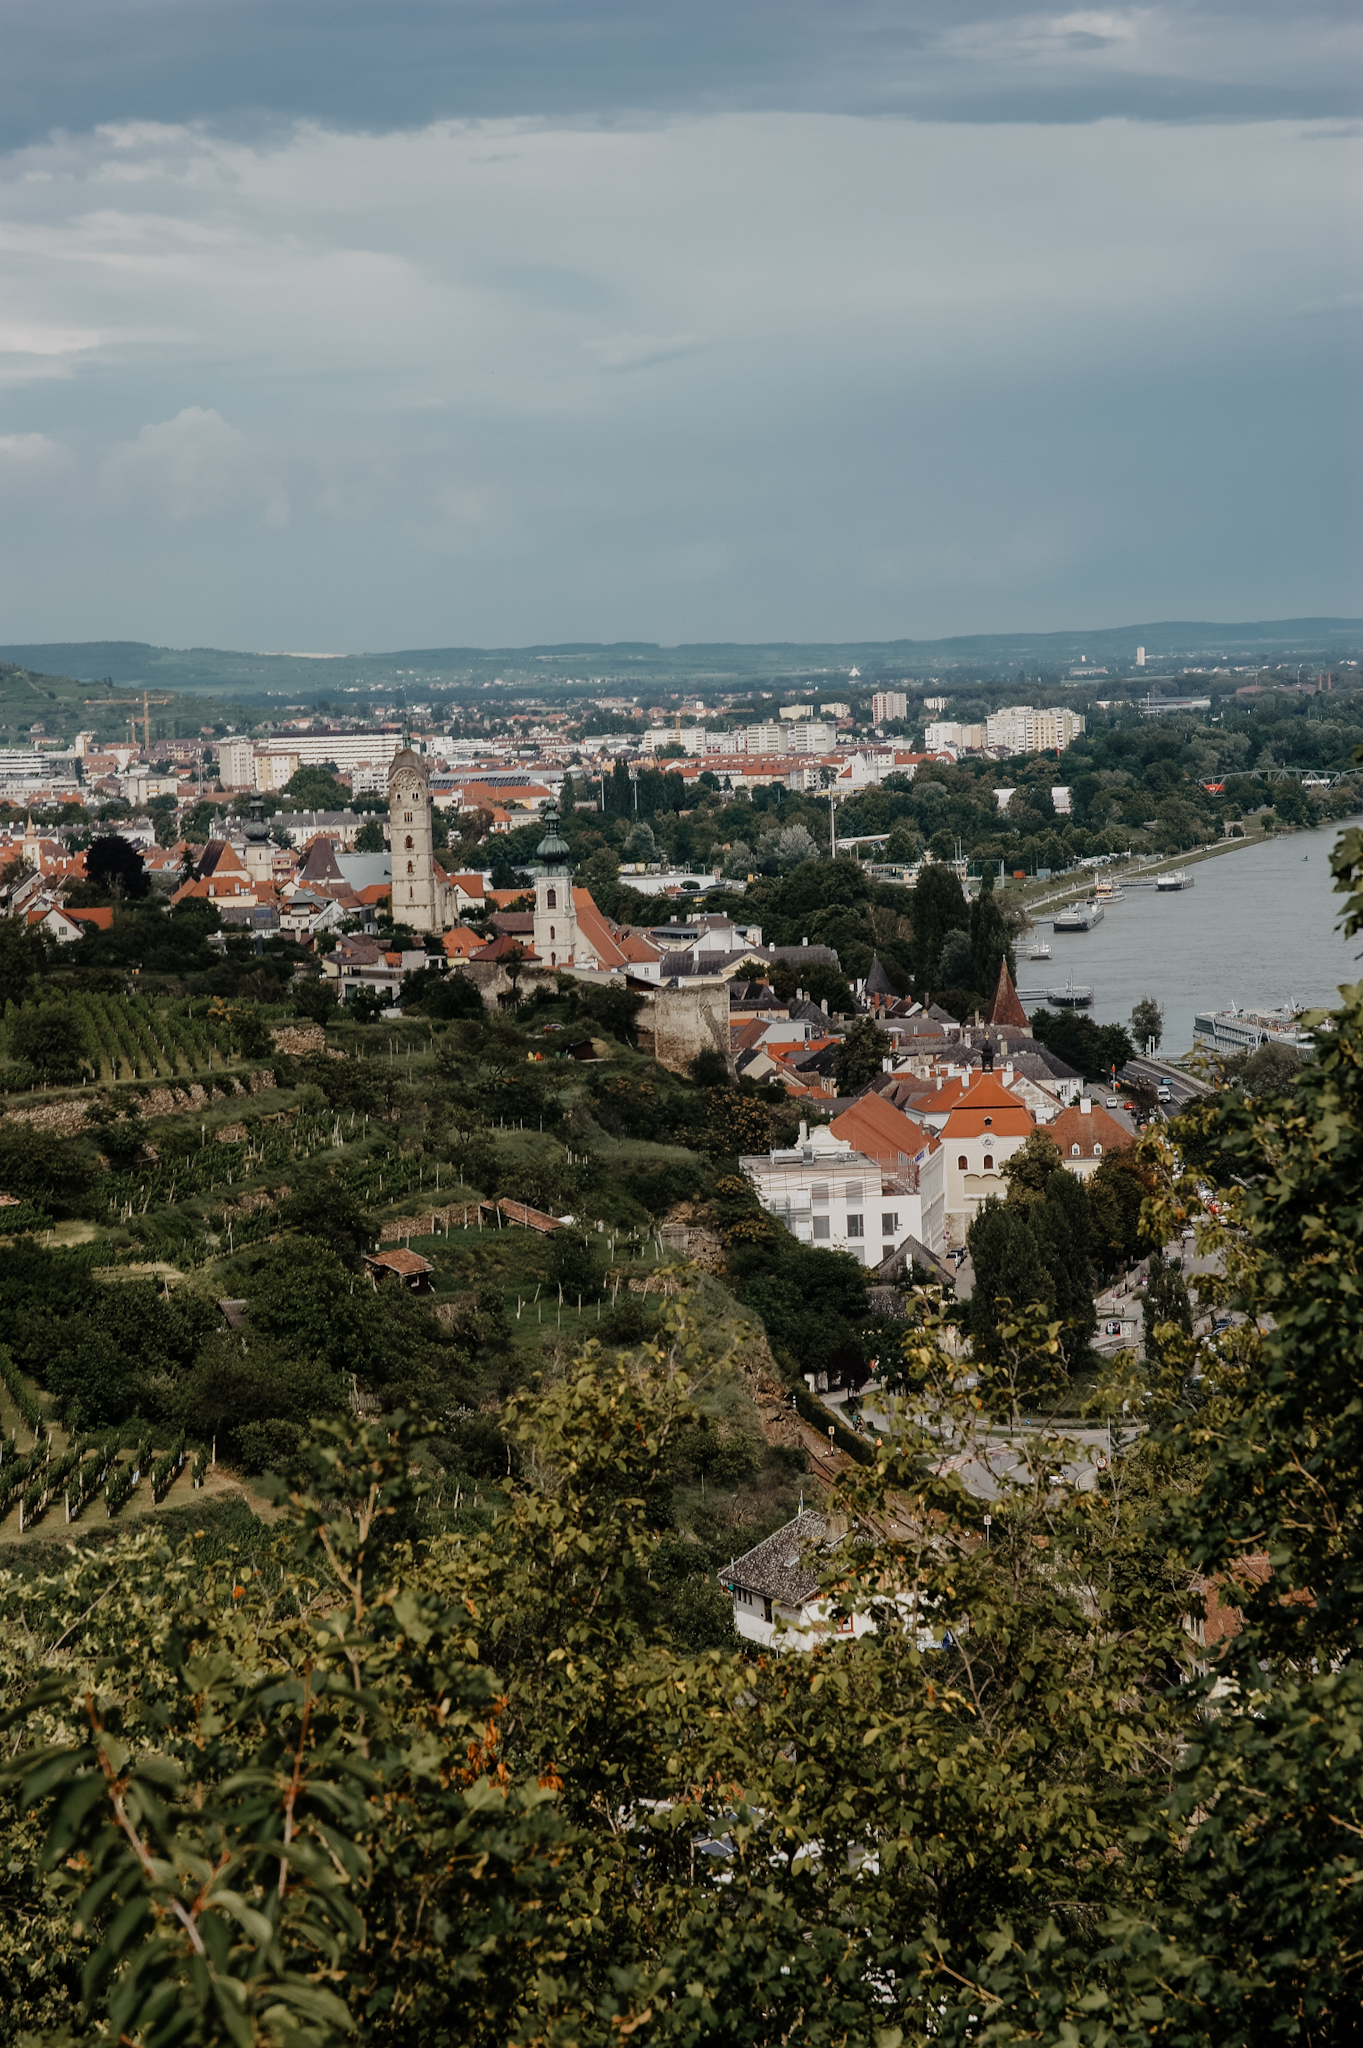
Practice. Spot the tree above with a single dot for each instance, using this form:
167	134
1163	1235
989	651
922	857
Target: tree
52	1039
1064	1232
860	1056
371	837
55	1174
441	994
1166	1303
23	956
937	907
1147	1023
1272	1070
1091	1049
990	944
1029	1171
1117	1192
956	963
315	999
316	789
1011	1277
114	869
321	1207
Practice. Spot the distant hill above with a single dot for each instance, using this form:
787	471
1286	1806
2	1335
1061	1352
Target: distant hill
237	675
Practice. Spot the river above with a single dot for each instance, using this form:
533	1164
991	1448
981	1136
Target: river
1259	927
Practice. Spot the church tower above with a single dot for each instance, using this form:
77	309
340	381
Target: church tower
416	891
555	913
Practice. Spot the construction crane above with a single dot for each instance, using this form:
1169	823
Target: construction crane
147	701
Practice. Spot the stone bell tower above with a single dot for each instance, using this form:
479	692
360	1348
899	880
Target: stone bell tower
555	914
417	892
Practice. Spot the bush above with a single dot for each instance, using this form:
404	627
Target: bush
315	1000
629	1322
267	1446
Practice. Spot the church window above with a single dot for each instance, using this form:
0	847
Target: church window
988	1162
551	899
406	817
962	1163
410	869
409	842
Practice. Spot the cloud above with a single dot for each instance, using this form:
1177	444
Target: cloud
734	373
191	467
246	66
639	351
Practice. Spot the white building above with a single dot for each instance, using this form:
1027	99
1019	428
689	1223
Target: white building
779	1601
237	764
1020	729
691	738
835	711
840	1200
945	732
347	749
887	705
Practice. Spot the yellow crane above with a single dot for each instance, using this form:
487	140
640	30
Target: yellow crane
147	701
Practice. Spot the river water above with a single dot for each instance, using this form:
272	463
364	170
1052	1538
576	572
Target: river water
1259	927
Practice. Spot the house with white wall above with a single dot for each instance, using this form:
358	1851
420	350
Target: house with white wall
838	1199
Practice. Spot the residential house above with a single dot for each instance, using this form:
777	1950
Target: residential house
980	1133
1086	1135
829	1195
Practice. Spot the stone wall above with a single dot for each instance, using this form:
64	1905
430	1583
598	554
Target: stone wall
676	1024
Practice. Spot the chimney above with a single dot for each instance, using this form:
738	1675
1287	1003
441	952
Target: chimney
804	1132
1085	1105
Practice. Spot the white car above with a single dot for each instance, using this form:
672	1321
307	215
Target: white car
1113	1102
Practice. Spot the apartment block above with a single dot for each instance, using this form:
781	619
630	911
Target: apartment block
887	705
237	764
1021	729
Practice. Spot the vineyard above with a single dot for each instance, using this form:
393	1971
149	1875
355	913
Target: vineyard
131	1039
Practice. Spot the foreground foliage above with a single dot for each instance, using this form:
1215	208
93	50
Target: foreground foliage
384	1786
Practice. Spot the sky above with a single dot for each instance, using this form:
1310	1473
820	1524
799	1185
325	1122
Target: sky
350	324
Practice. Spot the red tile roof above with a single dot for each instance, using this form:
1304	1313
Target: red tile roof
1092	1130
409	1264
875	1128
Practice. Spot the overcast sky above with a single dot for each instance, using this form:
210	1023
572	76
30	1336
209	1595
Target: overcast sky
352	324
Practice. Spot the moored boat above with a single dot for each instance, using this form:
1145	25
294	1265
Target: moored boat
1080	917
1177	879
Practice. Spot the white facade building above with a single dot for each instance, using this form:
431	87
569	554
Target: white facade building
1020	729
887	705
237	764
346	749
839	1200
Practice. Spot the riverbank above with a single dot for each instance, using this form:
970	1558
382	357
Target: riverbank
1078	888
1258	932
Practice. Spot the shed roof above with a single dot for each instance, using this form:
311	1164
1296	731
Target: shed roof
778	1568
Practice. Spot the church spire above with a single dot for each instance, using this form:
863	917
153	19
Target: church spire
1006	1010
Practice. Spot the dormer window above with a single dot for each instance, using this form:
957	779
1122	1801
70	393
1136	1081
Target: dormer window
989	1123
1074	1151
1097	1151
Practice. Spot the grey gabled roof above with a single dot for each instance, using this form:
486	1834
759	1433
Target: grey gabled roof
776	1568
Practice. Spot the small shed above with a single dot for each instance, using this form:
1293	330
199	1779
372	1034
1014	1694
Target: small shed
403	1265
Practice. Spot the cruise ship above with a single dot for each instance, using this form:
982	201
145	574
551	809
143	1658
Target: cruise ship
1080	917
1236	1030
